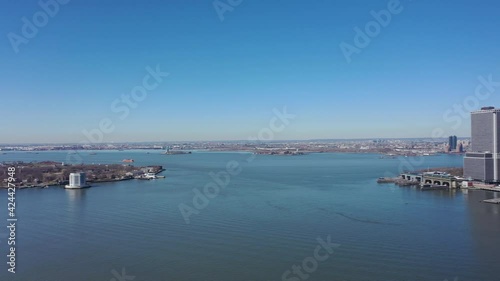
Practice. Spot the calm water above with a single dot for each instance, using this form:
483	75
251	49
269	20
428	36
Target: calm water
265	221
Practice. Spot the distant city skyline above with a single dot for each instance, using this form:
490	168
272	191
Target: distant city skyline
212	79
169	142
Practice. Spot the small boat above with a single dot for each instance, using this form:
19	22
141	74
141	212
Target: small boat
128	160
93	153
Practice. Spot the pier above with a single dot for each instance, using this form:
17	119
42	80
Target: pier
426	180
492	201
434	179
442	179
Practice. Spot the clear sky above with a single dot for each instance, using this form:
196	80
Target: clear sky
227	76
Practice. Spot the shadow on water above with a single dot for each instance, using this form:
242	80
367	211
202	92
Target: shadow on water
75	196
76	202
485	228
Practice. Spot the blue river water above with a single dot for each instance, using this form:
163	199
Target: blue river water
265	221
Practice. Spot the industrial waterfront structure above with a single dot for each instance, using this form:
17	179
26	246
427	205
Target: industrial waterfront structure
436	179
481	163
77	181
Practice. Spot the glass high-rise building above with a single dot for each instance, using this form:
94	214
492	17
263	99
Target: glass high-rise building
452	142
482	162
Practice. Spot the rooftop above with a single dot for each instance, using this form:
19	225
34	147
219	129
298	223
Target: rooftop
486	109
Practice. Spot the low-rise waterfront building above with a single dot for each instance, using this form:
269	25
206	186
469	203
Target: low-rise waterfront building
77	180
433	178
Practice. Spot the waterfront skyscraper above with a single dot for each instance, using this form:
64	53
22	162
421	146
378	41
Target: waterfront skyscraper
482	162
452	142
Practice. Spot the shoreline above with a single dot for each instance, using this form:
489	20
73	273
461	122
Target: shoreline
389	153
50	173
90	183
451	174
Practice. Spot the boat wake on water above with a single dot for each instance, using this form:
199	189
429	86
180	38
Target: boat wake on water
365	220
358	219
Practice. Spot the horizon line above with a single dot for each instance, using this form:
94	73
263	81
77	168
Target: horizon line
240	140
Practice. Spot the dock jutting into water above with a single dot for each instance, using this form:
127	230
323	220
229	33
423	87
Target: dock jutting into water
492	201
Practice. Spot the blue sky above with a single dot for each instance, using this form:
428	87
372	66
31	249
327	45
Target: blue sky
226	77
